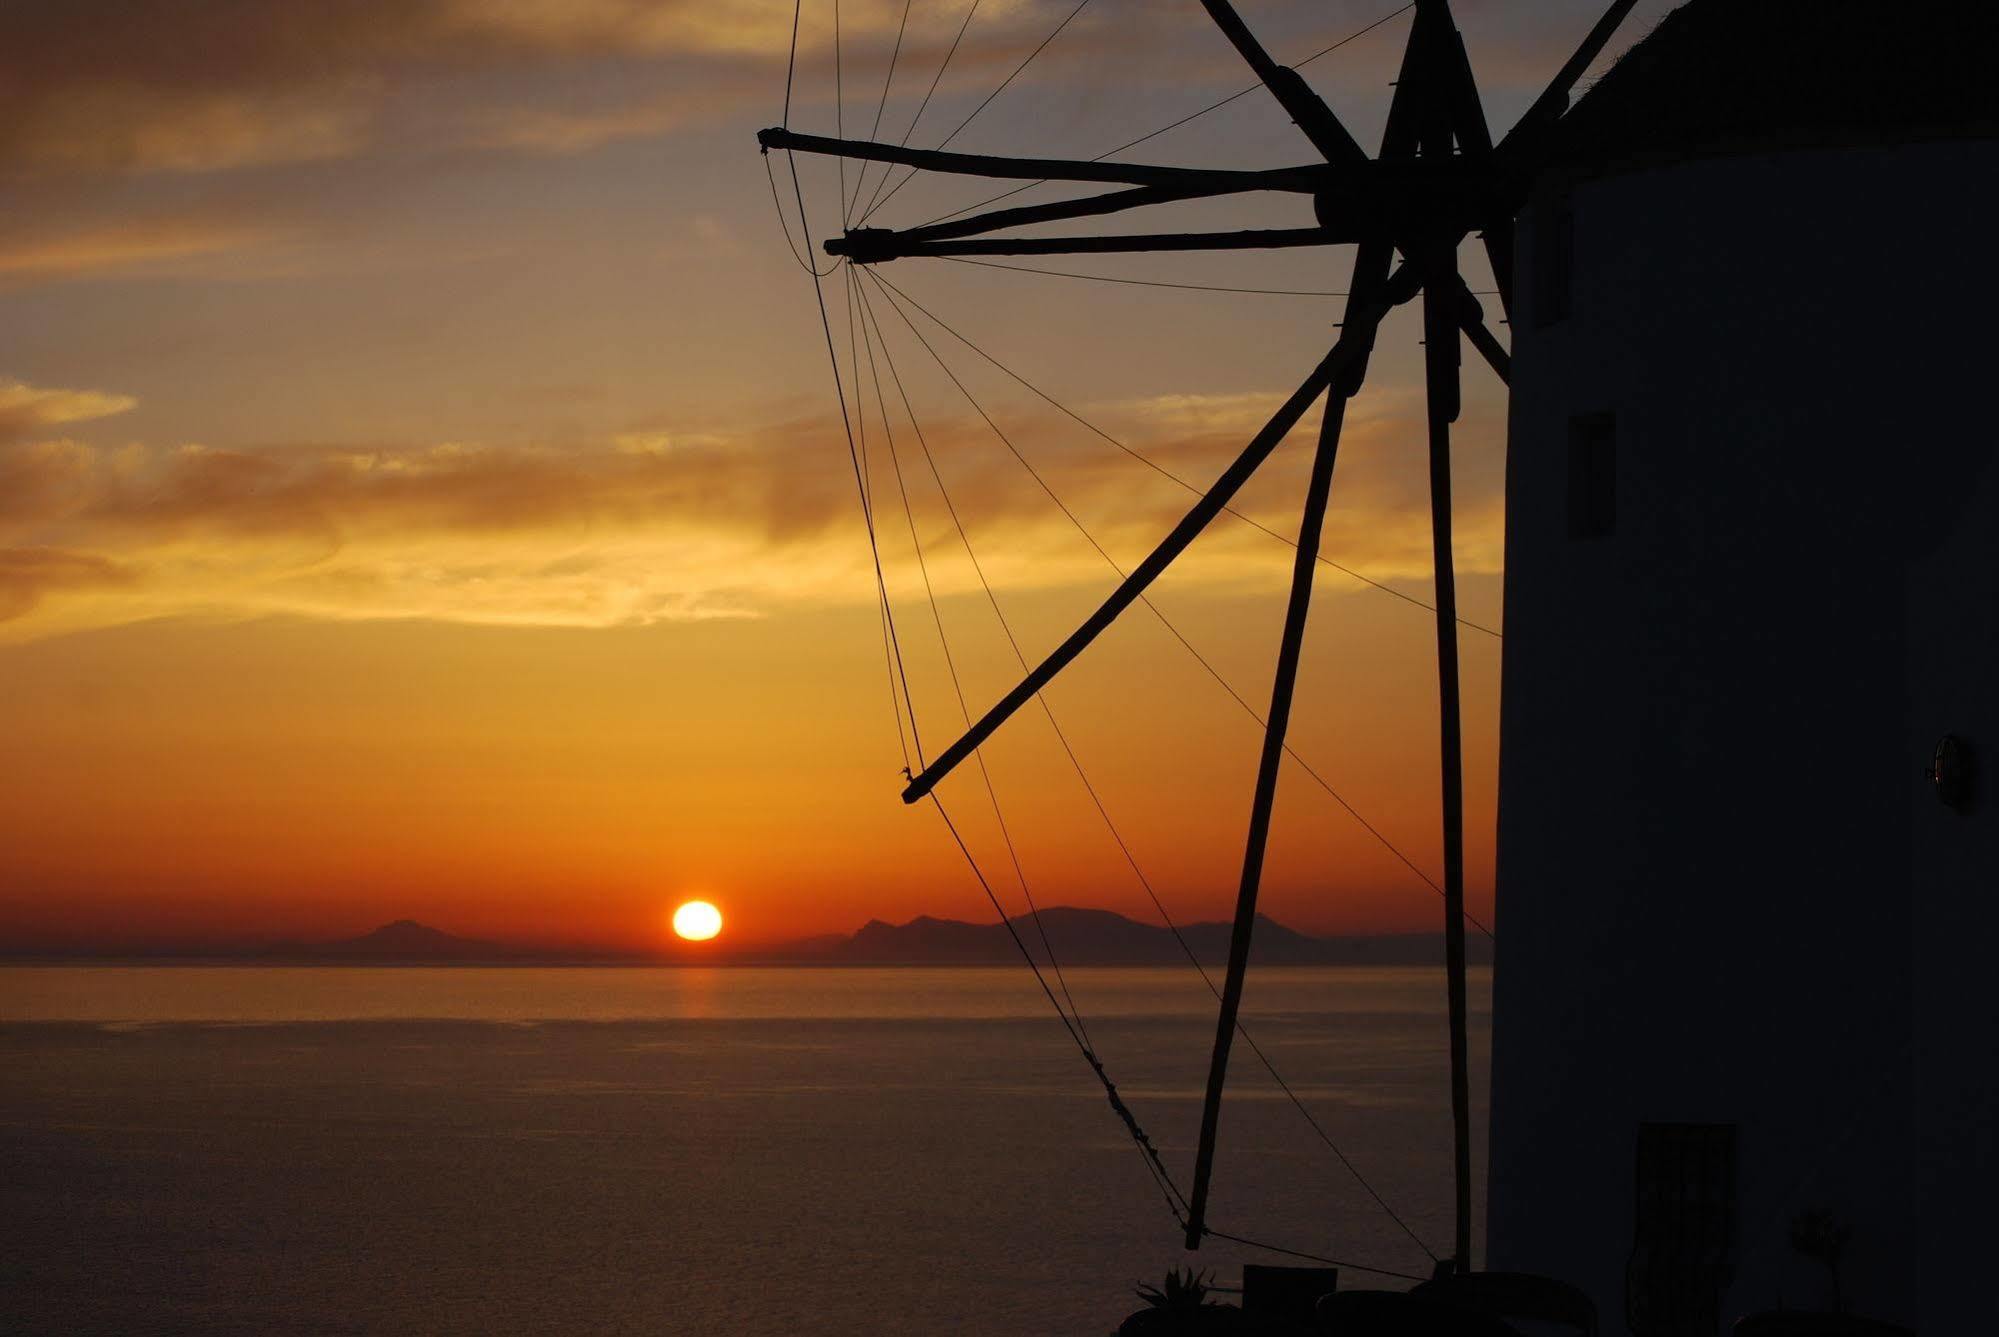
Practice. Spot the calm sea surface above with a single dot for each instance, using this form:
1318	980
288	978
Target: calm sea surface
349	1150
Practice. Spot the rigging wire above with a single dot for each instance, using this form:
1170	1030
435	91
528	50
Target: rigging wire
853	354
840	390
1117	836
839	108
860	180
867	507
894	644
1176	1201
784	224
1310	1257
1215	106
1138	283
950	662
784	221
791	60
890	292
1158	468
945	143
894	706
1158	283
888	169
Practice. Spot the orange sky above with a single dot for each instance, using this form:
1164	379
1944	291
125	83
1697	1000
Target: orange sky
421	493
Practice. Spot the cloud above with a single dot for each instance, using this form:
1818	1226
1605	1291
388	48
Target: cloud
148	245
169	86
760	29
93	86
1379	520
25	408
95	127
638	529
27	574
756	27
575	130
164	86
653	525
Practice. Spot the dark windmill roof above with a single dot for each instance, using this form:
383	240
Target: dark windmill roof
1732	76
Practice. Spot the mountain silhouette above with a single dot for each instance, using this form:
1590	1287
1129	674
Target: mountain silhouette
1106	938
404	942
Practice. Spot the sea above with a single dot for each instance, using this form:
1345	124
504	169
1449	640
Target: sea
244	1149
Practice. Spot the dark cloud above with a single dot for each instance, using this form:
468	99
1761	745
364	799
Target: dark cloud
91	85
97	85
27	574
331	494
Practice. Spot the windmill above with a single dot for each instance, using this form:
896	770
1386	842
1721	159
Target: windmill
1438	179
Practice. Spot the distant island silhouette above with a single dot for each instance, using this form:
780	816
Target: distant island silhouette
1079	936
405	940
1087	937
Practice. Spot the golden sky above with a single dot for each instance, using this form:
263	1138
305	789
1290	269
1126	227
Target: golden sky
421	491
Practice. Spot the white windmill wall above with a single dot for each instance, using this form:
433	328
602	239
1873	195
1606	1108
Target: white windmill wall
1727	893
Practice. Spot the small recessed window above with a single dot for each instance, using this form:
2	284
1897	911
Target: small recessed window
1554	262
1593	476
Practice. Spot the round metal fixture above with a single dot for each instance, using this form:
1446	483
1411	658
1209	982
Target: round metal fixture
1952	772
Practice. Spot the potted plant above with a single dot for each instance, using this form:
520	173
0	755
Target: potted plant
1180	1304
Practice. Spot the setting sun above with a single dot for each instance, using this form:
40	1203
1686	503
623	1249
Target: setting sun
697	921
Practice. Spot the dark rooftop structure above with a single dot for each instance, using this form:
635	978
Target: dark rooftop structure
1705	81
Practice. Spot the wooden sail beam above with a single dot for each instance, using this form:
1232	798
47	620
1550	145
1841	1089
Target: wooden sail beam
1395	200
1398	148
1471	320
1554	99
1355	340
1520	147
1090	206
1440	118
1474	138
1442	317
1369	270
1487	343
1446	302
1398	134
1304	180
1306	108
1352	202
866	246
1460	91
1422	196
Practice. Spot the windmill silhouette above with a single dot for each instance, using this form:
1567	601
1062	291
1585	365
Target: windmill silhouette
1438	179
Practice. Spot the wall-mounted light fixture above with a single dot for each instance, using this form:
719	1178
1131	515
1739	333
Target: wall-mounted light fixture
1952	772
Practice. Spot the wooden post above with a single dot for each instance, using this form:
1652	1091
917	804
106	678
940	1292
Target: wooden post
1302	568
1438	114
1440	364
1369	271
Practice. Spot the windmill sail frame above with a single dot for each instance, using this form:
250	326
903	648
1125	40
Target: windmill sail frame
1438	179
